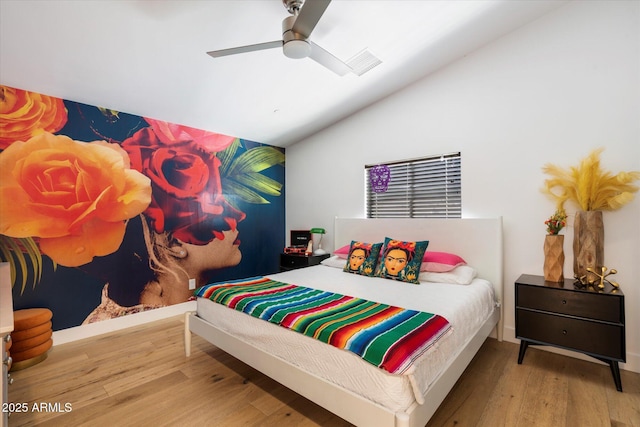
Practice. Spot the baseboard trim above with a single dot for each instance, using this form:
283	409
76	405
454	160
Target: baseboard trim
76	333
632	364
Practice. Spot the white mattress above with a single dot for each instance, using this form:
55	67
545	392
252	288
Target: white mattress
466	307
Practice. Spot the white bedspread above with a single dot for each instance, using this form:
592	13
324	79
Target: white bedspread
466	307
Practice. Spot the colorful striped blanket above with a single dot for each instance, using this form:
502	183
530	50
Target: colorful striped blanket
388	337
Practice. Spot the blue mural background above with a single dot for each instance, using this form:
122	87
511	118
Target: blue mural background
72	293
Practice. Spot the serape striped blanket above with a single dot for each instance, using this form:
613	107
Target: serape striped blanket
388	337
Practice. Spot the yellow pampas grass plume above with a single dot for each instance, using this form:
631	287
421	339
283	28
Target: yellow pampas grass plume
590	187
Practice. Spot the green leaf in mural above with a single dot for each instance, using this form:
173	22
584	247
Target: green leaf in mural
243	193
17	251
260	183
256	160
36	258
241	175
226	155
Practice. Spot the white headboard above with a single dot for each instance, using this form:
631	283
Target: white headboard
477	240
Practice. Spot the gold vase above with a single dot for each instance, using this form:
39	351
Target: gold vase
588	243
554	258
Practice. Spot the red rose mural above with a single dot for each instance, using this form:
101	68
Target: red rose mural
187	196
170	133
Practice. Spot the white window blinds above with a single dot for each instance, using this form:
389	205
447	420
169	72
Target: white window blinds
420	188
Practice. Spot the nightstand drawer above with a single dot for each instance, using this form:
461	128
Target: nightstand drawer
596	338
291	261
294	261
591	306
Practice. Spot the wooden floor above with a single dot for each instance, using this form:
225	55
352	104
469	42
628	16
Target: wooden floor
140	377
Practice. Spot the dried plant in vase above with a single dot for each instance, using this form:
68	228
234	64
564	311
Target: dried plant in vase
593	190
556	222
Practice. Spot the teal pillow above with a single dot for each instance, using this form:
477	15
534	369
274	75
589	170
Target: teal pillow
401	260
362	258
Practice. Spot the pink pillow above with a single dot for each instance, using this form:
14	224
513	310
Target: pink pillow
440	262
342	252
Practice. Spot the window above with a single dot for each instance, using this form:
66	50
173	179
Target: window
421	188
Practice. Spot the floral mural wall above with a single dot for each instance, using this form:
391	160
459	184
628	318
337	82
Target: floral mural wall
105	214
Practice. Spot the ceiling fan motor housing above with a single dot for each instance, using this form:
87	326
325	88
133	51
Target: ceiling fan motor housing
294	45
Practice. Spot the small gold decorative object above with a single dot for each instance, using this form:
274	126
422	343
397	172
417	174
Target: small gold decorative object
583	281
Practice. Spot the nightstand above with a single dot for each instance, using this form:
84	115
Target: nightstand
578	319
293	261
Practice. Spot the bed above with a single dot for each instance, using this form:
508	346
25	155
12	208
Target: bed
340	381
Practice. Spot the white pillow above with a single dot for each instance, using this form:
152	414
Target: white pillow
461	275
334	261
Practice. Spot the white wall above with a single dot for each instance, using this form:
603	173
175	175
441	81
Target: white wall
550	92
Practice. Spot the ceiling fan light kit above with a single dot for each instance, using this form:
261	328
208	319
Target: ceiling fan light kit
296	49
294	45
295	42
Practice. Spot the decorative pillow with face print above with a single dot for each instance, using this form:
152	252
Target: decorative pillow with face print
401	260
362	258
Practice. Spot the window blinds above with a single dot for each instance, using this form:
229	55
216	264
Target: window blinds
420	188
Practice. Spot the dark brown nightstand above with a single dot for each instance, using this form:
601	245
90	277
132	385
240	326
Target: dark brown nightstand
578	319
292	261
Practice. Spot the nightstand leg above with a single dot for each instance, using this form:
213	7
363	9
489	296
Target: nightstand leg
615	370
523	348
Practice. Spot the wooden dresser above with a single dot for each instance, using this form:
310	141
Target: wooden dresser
585	320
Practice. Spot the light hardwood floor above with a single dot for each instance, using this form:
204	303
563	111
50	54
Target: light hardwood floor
140	377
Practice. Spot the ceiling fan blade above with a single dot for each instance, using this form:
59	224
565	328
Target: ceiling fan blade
327	60
243	49
309	15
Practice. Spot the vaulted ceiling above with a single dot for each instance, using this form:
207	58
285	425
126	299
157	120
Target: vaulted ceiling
149	57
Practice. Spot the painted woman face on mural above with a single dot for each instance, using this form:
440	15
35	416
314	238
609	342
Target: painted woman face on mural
219	253
189	226
187	261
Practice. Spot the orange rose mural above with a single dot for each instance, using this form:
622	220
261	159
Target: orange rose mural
24	114
74	197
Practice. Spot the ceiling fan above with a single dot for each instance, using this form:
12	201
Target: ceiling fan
295	42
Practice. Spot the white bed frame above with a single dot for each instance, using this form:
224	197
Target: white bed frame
478	241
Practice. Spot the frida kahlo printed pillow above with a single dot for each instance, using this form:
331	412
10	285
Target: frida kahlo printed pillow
362	258
401	260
